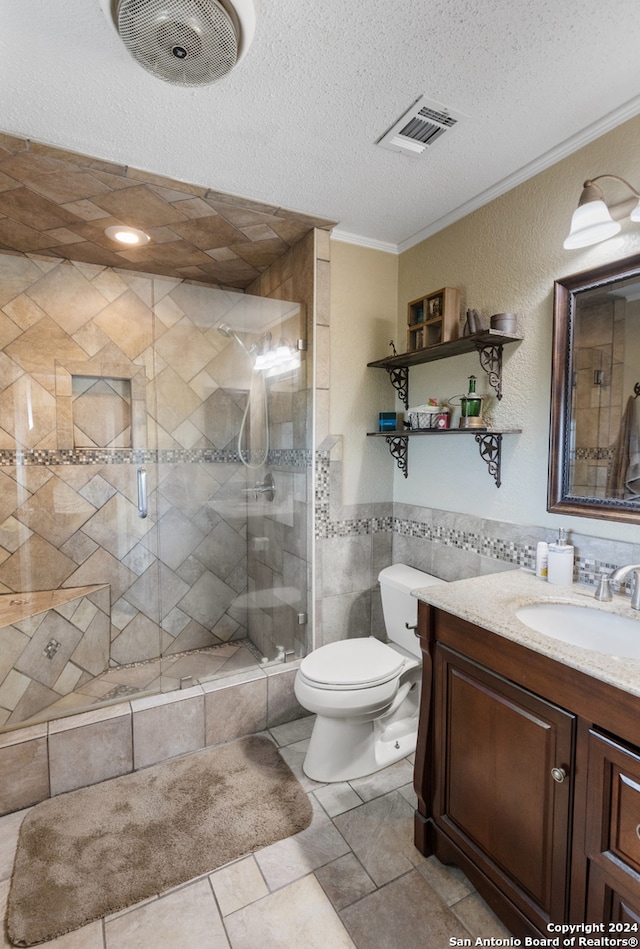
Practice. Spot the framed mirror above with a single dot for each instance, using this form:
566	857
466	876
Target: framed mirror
594	448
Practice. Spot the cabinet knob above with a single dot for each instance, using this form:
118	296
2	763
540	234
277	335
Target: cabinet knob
558	774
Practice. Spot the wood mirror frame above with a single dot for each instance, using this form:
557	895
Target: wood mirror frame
562	497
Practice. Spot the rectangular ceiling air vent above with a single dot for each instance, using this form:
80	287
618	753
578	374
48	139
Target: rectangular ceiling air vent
420	126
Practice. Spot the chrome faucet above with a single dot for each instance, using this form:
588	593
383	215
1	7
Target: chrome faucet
616	577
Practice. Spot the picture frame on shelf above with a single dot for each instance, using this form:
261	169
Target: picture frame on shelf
435	308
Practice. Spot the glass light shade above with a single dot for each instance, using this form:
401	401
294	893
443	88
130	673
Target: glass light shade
635	214
590	224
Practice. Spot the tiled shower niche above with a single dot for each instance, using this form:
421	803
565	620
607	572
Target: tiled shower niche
101	412
105	373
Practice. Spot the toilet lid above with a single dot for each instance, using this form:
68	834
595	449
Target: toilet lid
352	663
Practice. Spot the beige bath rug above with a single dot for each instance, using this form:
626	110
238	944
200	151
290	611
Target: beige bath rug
91	852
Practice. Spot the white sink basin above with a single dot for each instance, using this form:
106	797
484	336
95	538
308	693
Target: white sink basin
582	626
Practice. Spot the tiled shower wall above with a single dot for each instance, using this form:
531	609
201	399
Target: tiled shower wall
81	344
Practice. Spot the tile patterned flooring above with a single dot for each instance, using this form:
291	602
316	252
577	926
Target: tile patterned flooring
352	879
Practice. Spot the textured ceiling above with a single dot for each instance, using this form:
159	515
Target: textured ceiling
294	124
56	203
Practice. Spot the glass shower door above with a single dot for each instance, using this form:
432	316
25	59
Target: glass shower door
80	618
232	460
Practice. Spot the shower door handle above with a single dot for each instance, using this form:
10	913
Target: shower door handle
142	492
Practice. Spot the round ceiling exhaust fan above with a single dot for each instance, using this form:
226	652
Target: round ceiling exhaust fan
184	42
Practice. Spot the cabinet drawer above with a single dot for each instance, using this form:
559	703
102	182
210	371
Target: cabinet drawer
613	808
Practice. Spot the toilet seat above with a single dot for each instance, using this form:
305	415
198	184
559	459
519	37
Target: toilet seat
352	664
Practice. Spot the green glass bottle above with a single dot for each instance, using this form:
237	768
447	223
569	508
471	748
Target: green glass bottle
471	403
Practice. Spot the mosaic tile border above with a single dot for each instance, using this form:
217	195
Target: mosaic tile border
587	569
282	457
322	492
290	457
597	454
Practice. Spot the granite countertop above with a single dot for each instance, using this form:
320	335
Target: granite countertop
491	602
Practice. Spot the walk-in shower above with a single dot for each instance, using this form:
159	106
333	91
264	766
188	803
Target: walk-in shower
107	374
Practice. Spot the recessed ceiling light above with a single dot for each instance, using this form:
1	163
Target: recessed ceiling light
127	235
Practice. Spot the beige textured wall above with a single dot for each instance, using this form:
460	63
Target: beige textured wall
363	320
505	257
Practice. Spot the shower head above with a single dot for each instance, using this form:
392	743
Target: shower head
225	330
265	358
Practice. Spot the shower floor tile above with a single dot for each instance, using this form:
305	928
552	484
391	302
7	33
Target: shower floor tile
144	678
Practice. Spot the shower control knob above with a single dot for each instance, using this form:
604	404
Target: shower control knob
265	488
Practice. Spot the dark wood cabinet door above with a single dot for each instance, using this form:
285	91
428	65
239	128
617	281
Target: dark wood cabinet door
613	831
503	774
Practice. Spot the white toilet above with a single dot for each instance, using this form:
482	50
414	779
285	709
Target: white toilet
366	693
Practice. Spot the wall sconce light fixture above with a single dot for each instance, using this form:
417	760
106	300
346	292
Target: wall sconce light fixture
594	220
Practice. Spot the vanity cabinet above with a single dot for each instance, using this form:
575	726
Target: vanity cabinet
496	798
528	778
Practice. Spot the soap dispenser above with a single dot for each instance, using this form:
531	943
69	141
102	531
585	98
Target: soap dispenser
560	566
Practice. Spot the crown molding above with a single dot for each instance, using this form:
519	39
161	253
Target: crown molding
346	238
609	122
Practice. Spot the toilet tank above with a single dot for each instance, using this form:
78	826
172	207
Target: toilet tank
399	607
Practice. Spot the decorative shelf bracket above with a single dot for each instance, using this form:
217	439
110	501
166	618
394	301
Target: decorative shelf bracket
491	452
491	361
488	345
399	376
399	448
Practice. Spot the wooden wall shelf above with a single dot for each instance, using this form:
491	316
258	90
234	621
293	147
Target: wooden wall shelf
454	347
488	344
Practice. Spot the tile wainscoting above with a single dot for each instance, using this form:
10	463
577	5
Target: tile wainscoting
354	543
